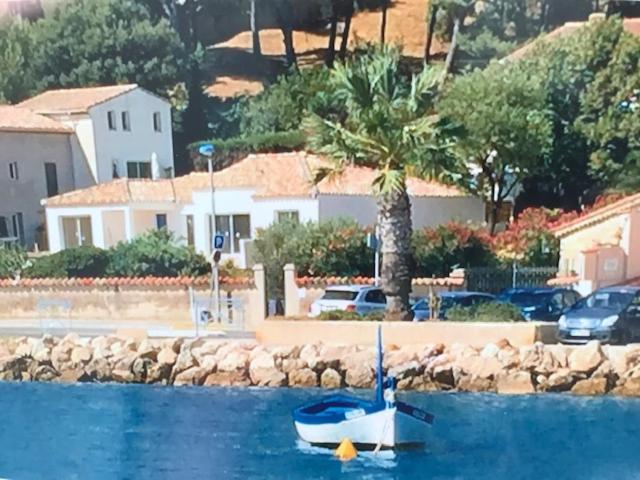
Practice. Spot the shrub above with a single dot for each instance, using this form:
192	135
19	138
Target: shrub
485	312
155	254
336	247
12	262
339	315
79	262
438	250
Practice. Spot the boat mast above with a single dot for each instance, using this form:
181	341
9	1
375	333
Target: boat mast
379	376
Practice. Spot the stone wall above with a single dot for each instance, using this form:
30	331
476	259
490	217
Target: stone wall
497	367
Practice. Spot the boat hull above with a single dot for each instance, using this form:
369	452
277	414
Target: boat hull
386	428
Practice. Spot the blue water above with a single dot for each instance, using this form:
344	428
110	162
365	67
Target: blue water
50	431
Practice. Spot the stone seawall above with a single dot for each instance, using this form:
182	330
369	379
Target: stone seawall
587	370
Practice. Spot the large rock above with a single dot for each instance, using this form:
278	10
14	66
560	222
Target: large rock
191	376
184	361
460	351
226	379
45	373
587	358
330	378
291	364
80	355
147	350
237	359
617	356
99	369
516	383
73	376
208	349
122	376
423	383
263	371
561	381
630	388
366	358
360	376
443	376
539	359
406	370
303	378
590	386
481	367
311	355
401	356
331	355
167	356
472	383
139	368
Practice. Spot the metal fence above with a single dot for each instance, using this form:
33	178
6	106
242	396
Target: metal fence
54	316
494	280
207	316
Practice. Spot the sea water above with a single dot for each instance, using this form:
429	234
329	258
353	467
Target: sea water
51	431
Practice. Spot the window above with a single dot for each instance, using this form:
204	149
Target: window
126	122
76	231
114	170
235	228
51	175
139	169
18	226
190	234
375	296
288	216
13	171
157	122
161	221
111	120
4	228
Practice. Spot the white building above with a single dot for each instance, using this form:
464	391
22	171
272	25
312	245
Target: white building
123	130
62	140
249	195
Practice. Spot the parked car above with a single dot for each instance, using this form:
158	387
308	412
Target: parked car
447	300
361	299
610	315
540	304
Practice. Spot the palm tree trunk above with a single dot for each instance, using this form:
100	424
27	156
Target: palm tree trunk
383	23
344	44
255	32
284	11
331	48
448	64
433	17
394	224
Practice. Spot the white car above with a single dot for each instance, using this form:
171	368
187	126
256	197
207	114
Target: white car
361	299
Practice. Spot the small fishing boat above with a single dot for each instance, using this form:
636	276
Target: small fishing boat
383	423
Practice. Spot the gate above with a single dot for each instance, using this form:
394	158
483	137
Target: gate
496	279
54	316
206	315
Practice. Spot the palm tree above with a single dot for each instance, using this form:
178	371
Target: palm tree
389	127
255	31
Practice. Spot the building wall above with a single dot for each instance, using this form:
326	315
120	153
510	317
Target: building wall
425	212
114	227
139	144
631	244
31	151
611	231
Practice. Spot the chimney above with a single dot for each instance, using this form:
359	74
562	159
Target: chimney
597	17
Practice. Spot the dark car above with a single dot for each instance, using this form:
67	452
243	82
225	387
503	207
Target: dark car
540	304
448	300
610	315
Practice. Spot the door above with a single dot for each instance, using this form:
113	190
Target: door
76	231
633	318
51	176
374	300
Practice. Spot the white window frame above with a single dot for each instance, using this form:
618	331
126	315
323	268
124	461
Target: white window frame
157	122
286	212
126	121
112	121
14	173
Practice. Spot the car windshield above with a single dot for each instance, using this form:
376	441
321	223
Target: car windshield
616	301
421	305
447	302
529	299
339	295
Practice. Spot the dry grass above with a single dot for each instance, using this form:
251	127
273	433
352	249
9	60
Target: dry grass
406	25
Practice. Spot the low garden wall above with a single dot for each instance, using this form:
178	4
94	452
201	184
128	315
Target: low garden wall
152	301
344	332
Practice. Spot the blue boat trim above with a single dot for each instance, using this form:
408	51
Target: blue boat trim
334	409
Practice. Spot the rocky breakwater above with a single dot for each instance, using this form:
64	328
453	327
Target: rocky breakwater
592	369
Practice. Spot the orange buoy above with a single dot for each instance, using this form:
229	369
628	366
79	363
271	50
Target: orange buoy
346	451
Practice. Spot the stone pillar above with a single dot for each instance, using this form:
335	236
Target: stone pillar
259	307
291	297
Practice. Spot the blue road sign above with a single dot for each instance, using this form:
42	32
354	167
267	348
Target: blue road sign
207	149
372	241
218	241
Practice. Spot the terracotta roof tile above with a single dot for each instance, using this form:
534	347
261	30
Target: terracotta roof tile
17	119
631	25
563	281
268	175
595	216
74	100
329	281
121	281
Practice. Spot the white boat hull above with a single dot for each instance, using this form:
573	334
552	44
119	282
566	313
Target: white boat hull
386	428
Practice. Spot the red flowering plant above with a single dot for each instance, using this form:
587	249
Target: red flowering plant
529	240
438	250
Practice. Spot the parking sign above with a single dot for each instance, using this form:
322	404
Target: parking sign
218	241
